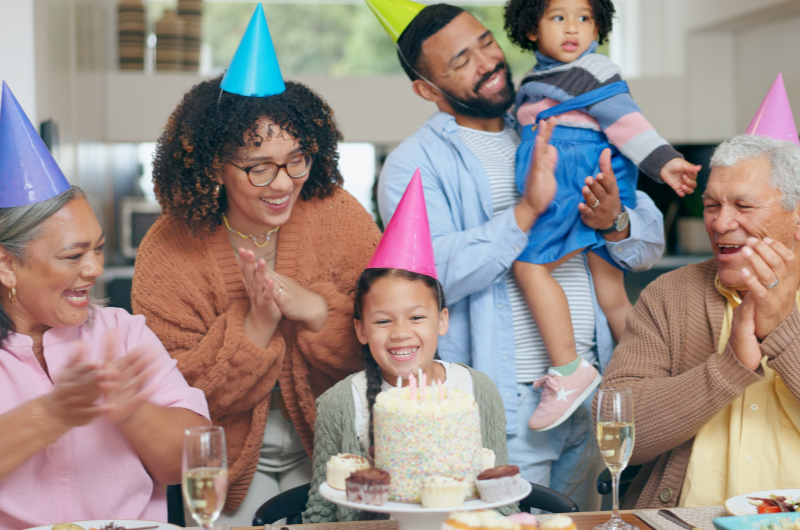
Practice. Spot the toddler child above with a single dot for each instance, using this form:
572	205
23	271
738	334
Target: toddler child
600	128
399	316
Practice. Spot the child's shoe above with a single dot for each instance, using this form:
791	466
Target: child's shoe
562	395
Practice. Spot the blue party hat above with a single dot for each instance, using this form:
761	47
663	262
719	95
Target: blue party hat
28	172
254	70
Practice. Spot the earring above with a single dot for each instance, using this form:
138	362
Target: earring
12	294
217	188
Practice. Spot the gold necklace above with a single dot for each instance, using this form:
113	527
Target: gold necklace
268	235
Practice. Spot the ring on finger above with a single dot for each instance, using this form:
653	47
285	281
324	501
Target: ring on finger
280	287
595	205
773	284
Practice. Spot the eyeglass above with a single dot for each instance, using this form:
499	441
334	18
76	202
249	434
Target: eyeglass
264	173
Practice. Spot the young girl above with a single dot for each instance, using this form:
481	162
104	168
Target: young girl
399	316
600	128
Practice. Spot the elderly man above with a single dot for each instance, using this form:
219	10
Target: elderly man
479	223
712	351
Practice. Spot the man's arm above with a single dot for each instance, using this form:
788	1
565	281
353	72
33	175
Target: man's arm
670	407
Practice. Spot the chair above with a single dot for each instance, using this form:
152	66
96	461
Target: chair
604	483
175	514
547	500
289	504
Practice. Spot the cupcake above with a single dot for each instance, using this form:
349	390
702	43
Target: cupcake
478	520
368	486
340	466
525	520
487	459
499	483
439	491
558	522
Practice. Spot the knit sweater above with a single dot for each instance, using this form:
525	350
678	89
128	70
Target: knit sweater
335	433
552	82
191	291
668	358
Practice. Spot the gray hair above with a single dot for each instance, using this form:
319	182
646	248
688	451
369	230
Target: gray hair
784	157
19	226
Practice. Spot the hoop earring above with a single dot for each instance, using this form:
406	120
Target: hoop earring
12	294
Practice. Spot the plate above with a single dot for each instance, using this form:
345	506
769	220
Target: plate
740	505
127	523
340	497
753	522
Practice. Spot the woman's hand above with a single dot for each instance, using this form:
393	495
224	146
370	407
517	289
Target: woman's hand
298	304
73	401
129	372
262	319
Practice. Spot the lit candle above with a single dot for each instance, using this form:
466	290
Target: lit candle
399	383
412	386
423	385
440	388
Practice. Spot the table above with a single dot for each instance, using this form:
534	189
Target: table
583	520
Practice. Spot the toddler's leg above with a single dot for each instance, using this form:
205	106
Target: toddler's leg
547	303
609	283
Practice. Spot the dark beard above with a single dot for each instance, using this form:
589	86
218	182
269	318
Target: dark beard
482	108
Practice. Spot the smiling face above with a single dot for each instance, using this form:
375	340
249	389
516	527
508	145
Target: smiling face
464	59
739	203
61	265
256	210
566	30
401	323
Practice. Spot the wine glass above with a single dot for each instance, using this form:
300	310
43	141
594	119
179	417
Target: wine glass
205	473
615	436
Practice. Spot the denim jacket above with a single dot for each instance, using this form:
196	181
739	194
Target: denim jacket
474	249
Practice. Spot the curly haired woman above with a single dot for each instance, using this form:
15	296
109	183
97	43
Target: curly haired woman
247	278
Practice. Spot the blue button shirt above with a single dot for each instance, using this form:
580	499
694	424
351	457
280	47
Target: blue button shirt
474	250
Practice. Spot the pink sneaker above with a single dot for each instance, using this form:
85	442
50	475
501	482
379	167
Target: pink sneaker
562	395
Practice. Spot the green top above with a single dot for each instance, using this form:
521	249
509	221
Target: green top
335	432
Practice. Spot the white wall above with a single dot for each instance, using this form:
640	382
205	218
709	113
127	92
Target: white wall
17	62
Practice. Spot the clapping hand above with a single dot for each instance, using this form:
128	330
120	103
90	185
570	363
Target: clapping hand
772	278
73	401
129	373
680	175
540	184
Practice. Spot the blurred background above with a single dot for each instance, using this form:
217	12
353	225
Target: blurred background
101	77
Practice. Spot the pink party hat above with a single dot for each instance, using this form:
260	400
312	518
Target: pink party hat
28	173
406	243
774	116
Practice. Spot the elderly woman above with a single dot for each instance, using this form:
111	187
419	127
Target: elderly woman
712	351
248	277
78	439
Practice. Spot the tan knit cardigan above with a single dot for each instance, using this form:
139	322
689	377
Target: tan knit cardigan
192	294
667	356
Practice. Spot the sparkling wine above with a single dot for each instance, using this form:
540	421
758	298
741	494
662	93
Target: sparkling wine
204	489
615	439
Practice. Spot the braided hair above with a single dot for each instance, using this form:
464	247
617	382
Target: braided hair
363	285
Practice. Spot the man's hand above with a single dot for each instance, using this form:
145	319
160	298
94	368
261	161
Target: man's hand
680	175
743	339
602	205
540	184
770	261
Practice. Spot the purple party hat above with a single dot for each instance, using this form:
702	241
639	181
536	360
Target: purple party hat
28	172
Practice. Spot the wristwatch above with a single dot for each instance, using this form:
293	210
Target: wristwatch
620	223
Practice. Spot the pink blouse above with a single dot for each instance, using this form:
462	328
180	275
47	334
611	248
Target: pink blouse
91	472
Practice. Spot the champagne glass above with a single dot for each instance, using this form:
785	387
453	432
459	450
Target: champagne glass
205	473
615	436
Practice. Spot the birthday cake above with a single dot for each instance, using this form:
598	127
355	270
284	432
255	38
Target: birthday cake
425	431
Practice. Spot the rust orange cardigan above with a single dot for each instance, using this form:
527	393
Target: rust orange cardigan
190	289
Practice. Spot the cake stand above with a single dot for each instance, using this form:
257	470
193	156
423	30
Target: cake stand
415	516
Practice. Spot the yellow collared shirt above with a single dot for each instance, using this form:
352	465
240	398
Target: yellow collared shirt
753	444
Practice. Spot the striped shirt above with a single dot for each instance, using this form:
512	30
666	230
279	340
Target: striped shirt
496	152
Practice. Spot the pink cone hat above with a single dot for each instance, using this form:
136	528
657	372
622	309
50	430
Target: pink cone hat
774	117
406	243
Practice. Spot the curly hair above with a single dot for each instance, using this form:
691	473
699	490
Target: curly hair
523	16
207	128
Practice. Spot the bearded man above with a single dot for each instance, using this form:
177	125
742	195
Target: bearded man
480	223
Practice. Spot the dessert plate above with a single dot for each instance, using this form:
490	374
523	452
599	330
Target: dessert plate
754	522
127	523
415	516
740	505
